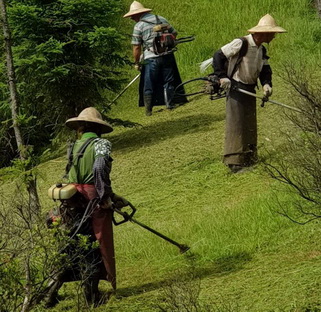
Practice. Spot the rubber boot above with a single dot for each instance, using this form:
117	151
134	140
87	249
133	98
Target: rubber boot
51	298
148	104
168	97
91	291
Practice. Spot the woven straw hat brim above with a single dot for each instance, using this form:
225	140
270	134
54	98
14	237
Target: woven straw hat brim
267	29
138	11
76	122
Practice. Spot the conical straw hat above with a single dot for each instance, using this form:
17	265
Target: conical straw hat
136	8
267	24
89	114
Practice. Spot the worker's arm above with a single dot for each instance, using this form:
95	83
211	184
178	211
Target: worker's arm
219	61
137	50
266	75
101	170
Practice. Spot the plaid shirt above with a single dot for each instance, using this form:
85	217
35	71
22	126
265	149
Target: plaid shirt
143	33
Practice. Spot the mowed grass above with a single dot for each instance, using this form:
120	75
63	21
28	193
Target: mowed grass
242	251
244	256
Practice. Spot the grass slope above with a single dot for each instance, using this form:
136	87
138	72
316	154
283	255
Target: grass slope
244	256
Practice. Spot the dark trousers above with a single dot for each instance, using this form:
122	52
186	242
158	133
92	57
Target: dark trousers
162	66
85	267
83	262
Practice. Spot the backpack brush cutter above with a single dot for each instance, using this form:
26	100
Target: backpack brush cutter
213	88
163	45
202	86
129	217
70	215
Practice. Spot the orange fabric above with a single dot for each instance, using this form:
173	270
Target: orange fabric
103	229
88	190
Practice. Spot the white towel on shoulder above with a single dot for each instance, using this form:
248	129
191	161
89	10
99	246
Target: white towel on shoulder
205	65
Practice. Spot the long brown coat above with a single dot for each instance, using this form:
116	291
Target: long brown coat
241	127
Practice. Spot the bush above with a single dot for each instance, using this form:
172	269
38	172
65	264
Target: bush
66	53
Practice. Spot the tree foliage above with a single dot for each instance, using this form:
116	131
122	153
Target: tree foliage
66	54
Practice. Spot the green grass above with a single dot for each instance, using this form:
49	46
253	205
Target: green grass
244	253
215	23
244	256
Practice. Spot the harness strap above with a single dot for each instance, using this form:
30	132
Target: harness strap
158	22
242	53
79	154
149	22
69	157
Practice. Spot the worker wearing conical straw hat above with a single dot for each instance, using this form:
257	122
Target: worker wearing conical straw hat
89	170
136	8
247	62
159	72
266	24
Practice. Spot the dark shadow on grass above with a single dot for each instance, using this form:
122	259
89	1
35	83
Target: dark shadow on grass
222	266
159	131
119	122
231	263
138	289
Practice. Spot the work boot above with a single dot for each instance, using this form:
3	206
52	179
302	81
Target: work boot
92	293
235	168
51	298
168	97
148	104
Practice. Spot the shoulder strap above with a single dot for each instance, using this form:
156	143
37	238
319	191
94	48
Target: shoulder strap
79	154
241	54
154	23
81	151
244	47
264	53
157	20
153	34
69	157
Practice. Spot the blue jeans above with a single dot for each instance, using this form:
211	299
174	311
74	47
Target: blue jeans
160	68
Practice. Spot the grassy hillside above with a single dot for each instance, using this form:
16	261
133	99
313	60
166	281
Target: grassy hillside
244	255
215	23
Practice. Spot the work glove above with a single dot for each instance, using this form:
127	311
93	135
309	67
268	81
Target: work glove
106	203
138	67
119	201
225	84
267	90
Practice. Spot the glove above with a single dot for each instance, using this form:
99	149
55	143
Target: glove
106	204
119	202
267	90
138	67
225	84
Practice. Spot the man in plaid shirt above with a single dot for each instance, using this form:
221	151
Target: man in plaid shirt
159	73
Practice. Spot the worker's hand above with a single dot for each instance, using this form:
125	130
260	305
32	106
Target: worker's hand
267	90
138	67
119	201
106	204
225	84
